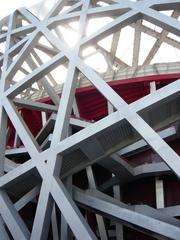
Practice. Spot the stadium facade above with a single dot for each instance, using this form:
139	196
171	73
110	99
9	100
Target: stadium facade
95	156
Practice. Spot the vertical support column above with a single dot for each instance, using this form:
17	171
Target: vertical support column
119	227
159	193
158	182
54	223
75	108
113	50
17	140
110	108
117	193
99	219
8	133
137	41
43	117
152	86
66	233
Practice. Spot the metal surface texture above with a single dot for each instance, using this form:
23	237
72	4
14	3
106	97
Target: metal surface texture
92	157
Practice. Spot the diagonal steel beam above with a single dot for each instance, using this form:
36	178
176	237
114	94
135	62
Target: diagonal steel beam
115	210
12	219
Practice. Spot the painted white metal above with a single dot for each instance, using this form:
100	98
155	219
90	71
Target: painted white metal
22	43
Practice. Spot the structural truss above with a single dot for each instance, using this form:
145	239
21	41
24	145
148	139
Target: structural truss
64	161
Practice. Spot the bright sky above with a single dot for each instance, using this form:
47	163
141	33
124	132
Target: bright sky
9	6
97	61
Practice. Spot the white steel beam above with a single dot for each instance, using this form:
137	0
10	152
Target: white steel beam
20	44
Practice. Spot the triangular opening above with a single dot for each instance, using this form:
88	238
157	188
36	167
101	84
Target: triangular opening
22	121
68	33
147	43
35	72
172	54
125	45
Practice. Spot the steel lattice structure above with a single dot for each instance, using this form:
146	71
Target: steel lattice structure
39	168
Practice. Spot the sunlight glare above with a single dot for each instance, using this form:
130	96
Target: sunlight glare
97	62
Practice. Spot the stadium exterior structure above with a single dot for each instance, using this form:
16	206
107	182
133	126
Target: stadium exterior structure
96	157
